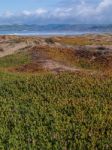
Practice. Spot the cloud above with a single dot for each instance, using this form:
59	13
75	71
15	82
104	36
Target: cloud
100	13
77	11
7	14
37	12
104	5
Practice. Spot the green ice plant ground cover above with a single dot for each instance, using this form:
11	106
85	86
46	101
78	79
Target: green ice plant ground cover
60	112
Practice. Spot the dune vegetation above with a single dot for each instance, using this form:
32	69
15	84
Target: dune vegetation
55	97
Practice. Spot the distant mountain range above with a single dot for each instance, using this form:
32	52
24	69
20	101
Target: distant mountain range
65	29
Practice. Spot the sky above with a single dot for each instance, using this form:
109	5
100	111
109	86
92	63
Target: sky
55	11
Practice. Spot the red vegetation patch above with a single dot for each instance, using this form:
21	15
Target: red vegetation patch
33	67
104	58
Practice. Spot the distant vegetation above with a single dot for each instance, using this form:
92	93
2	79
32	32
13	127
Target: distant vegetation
50	40
86	40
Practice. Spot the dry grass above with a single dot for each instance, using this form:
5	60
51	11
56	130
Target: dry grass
86	40
96	56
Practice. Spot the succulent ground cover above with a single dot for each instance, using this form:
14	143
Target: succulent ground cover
55	96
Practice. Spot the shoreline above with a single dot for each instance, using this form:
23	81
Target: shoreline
56	34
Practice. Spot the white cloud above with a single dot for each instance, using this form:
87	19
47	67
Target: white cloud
89	9
26	13
40	11
8	14
79	11
37	12
104	5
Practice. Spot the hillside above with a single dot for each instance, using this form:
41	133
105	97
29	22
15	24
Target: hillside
56	93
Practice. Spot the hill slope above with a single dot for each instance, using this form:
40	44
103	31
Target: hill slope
55	94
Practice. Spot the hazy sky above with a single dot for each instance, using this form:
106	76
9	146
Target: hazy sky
55	11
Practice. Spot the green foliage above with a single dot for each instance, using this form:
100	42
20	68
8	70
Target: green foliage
15	59
59	112
87	64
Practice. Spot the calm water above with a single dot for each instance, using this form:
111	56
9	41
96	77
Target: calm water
54	29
